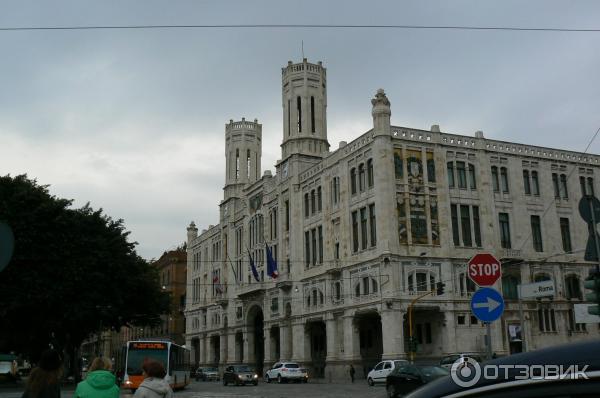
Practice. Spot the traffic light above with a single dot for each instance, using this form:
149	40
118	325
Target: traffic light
439	288
592	283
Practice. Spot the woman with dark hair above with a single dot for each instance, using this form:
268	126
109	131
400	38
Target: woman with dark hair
44	380
154	384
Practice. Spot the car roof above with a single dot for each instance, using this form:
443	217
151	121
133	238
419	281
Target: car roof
580	353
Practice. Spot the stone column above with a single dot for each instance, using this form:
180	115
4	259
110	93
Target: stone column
209	351
449	333
223	348
331	330
268	357
231	346
285	341
249	356
351	339
298	342
392	331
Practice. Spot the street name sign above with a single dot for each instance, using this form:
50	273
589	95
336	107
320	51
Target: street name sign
484	269
535	290
487	304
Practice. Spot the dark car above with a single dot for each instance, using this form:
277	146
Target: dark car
239	375
510	384
409	377
207	374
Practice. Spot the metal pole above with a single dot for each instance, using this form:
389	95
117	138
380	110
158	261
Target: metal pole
521	319
488	330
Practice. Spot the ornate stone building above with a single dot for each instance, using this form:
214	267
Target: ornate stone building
360	231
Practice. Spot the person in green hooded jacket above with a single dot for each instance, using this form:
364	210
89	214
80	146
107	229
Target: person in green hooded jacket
99	383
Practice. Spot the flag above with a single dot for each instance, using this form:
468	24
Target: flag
253	267
271	264
216	283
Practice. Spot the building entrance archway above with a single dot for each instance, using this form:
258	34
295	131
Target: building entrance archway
256	338
370	340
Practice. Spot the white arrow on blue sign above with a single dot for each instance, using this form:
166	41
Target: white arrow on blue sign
487	304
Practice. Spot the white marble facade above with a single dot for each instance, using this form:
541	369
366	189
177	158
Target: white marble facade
360	231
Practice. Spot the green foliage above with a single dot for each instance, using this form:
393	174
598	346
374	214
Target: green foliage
72	271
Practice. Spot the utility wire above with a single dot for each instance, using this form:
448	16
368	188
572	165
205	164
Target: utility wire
305	26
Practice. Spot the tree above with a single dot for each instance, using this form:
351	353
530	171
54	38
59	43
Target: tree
72	272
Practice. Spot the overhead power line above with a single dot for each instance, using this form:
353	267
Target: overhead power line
306	26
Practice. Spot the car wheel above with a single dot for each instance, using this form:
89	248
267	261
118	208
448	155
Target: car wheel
370	382
391	391
279	380
267	378
224	382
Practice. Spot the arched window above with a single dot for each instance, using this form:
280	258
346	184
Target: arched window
510	285
361	177
353	180
365	282
321	297
370	180
337	291
308	301
357	289
572	287
314	296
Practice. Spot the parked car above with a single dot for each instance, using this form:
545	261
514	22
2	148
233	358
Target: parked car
409	377
239	375
582	354
379	373
207	374
448	360
286	371
8	368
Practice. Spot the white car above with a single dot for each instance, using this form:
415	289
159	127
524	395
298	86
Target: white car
448	361
383	369
286	371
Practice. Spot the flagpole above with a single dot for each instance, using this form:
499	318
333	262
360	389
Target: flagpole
233	269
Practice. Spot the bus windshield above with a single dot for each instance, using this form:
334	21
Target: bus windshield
139	352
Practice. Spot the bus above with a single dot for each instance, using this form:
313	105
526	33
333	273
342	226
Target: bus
175	358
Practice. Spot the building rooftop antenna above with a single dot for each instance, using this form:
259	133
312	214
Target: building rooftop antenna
302	49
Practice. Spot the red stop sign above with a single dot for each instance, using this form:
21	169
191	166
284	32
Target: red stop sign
484	269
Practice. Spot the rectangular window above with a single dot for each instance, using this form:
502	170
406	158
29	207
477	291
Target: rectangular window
312	113
353	180
363	228
314	245
465	223
455	228
582	185
373	227
504	230
336	254
563	186
307	248
354	231
451	174
555	185
319	199
476	227
462	175
421	282
299	113
504	179
565	234
526	185
306	205
472	177
287	215
361	177
535	184
461	319
590	186
495	182
320	244
536	233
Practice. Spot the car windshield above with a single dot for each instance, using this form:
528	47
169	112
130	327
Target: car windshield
399	363
432	372
291	366
242	368
210	369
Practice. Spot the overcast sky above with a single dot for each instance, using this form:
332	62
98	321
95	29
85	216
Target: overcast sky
133	120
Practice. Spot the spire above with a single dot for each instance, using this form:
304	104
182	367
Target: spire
381	113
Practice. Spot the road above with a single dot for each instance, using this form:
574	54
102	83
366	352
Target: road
359	389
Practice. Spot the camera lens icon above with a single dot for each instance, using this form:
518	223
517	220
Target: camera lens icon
465	372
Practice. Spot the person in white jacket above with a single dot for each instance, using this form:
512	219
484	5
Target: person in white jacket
154	384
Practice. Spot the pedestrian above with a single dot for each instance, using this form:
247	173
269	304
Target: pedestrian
352	371
44	380
99	383
154	384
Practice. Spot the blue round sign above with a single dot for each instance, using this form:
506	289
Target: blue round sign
487	304
7	245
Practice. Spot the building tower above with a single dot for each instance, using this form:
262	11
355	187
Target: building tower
304	97
243	153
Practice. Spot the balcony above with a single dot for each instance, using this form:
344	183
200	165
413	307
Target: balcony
335	268
248	289
284	282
